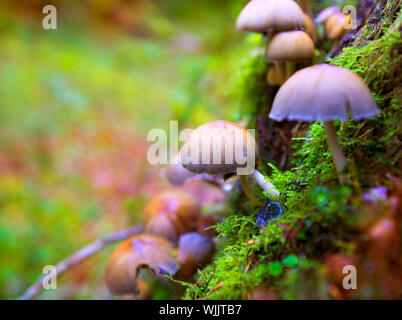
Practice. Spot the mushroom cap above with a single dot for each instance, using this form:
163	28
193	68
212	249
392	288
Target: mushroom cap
323	92
325	14
219	137
290	46
335	25
195	251
170	214
266	15
129	256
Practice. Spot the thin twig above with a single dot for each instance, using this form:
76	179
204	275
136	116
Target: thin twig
211	291
79	256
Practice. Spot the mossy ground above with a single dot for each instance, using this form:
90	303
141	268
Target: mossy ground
320	216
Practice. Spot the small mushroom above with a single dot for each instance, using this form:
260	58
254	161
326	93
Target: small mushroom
222	147
325	14
170	214
324	93
270	15
195	251
289	47
335	28
134	253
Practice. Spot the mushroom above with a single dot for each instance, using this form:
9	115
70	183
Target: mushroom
270	15
335	28
325	14
170	214
195	251
222	147
289	47
134	253
324	93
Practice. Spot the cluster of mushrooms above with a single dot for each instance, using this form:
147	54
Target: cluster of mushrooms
321	92
176	239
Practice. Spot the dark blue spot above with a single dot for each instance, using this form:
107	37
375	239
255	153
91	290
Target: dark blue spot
271	211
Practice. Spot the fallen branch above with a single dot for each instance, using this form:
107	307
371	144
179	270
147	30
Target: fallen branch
79	256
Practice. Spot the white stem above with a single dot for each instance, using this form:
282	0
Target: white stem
265	184
336	150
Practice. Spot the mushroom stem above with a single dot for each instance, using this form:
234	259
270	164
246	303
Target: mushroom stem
336	150
290	69
280	74
265	184
248	192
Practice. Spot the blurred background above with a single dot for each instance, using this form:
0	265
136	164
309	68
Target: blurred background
76	104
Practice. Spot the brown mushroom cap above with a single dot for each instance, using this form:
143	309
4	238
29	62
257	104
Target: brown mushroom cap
290	46
129	256
195	251
217	136
266	15
335	25
170	214
323	92
325	14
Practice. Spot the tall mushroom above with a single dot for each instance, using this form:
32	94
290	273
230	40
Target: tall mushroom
335	28
170	214
290	47
324	93
134	253
222	147
270	15
325	14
